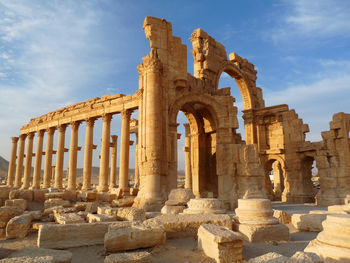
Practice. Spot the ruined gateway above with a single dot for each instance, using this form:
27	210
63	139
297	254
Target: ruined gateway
219	163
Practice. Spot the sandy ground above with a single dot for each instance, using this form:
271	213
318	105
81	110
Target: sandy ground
184	250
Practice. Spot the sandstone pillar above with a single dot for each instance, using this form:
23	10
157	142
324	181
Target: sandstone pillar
60	156
48	157
137	172
38	160
73	154
20	156
113	175
124	152
89	136
12	164
187	150
104	161
28	163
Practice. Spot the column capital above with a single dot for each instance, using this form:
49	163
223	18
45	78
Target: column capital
51	130
114	138
22	136
14	139
151	63
41	133
30	135
62	127
106	117
90	121
126	113
75	124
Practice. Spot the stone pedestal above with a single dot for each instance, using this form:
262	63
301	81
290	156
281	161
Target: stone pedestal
205	206
333	243
256	222
220	243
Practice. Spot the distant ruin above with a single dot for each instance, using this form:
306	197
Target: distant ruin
219	164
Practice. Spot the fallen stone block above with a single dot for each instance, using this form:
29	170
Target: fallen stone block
21	203
93	218
186	225
130	214
136	236
303	257
21	194
124	202
2	233
56	202
308	222
5	192
271	257
8	212
105	197
133	191
63	210
59	256
68	218
87	196
35	226
71	235
179	196
282	216
129	257
80	206
91	207
262	233
51	210
46	259
36	215
39	195
18	226
220	243
101	210
339	209
150	215
54	195
167	209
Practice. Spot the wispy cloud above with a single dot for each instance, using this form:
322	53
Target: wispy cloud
312	19
316	101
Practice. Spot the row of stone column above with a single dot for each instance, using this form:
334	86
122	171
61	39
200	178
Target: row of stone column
16	168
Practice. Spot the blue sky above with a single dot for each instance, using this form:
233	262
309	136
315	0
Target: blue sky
59	52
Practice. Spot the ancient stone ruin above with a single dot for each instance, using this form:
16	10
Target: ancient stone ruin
222	170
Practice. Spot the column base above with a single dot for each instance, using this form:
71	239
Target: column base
103	188
148	204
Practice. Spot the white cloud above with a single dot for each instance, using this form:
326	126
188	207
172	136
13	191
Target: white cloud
313	19
318	100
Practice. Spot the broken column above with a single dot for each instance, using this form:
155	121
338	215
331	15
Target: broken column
256	222
333	243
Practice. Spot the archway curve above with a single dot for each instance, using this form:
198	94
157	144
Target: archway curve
275	190
233	70
206	100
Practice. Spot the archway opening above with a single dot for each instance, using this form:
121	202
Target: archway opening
274	180
196	150
308	166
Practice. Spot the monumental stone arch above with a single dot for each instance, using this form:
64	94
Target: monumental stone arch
219	163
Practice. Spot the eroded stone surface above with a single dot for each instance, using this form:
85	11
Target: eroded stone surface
271	257
59	256
18	226
129	257
308	222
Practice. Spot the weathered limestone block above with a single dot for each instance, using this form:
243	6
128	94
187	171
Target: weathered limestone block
105	197
92	207
87	196
71	235
127	201
54	195
333	243
8	212
186	225
129	257
179	196
5	192
18	226
150	215
2	233
56	202
167	209
220	243
80	206
133	191
21	203
282	216
68	218
21	194
59	256
302	257
130	214
63	210
256	223
101	210
51	210
36	215
339	209
46	259
271	257
39	195
308	222
204	205
93	218
134	237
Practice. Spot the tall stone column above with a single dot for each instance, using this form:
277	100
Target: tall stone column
73	154
38	160
124	152
48	157
28	163
89	135
104	161
187	150
60	156
12	164
137	172
113	175
20	156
